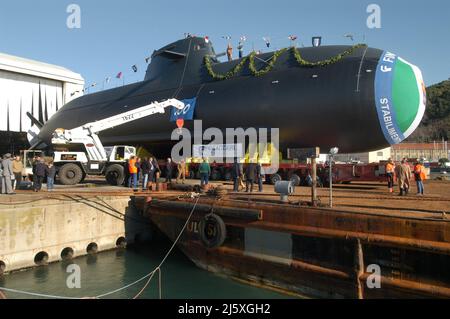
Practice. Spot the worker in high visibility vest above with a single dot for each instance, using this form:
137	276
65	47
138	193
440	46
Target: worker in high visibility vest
133	170
390	168
420	176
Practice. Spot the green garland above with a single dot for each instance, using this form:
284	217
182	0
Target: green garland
326	62
251	59
227	75
269	66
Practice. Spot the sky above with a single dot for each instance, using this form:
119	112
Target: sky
116	34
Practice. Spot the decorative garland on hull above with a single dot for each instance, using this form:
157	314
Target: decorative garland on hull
270	65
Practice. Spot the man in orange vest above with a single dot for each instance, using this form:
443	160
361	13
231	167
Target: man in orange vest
390	167
420	175
133	173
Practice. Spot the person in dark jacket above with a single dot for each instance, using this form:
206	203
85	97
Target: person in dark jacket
138	166
156	170
169	170
145	170
250	175
50	173
236	170
39	172
259	176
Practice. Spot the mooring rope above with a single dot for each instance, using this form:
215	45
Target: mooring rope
151	274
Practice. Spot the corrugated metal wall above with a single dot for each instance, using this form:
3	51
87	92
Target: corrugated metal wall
20	94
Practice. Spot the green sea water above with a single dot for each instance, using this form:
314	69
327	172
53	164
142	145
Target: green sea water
110	270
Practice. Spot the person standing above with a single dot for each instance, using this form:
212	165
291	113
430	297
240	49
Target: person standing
230	52
132	181
420	176
169	170
139	173
408	173
156	170
403	174
39	172
18	171
7	174
250	175
181	167
205	171
390	168
236	170
259	176
151	172
51	173
145	170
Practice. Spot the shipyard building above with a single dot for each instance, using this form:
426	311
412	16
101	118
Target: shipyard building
35	87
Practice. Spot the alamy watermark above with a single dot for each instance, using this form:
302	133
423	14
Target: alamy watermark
74	279
224	149
374	18
74	19
374	279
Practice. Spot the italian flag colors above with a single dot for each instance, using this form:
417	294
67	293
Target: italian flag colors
400	95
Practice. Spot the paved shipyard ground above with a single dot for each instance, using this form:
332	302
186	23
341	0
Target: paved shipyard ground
356	197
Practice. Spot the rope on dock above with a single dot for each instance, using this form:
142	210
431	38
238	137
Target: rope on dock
149	275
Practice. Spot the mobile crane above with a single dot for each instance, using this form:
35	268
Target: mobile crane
73	166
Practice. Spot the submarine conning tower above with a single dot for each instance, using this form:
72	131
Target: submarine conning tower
179	63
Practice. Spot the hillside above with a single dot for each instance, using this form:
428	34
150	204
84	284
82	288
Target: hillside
436	122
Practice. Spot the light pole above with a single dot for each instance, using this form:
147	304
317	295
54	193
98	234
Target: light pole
333	152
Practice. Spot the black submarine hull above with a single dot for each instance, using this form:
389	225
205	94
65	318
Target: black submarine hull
326	106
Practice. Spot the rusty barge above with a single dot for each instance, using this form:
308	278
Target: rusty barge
315	251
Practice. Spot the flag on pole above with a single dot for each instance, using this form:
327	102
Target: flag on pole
292	37
267	41
147	59
207	39
243	38
119	75
108	79
135	68
93	84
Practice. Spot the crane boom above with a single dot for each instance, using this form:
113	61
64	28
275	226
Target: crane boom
87	133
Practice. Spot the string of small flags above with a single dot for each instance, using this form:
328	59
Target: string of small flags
135	67
119	76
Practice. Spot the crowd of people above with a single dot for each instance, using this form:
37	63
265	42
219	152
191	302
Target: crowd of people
402	173
145	171
13	174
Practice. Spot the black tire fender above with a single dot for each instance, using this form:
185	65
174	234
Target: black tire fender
212	231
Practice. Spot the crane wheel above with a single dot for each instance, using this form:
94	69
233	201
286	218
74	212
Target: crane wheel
70	174
115	175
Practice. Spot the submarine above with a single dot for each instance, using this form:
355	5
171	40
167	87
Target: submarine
354	97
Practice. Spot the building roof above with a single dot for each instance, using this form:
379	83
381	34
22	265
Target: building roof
44	70
418	146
